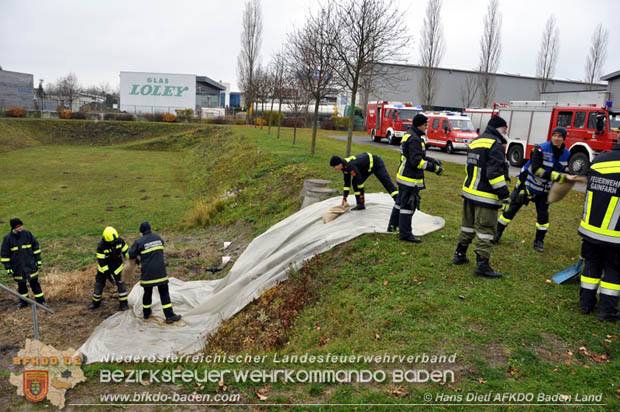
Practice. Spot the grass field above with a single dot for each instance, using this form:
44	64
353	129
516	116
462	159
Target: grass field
373	295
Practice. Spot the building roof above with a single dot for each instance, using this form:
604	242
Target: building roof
611	75
506	74
210	82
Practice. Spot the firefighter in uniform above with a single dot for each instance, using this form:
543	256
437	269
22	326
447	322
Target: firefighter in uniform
600	232
484	192
21	256
546	165
410	175
149	251
110	252
356	169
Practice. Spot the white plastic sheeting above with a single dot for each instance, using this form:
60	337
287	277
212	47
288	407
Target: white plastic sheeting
265	262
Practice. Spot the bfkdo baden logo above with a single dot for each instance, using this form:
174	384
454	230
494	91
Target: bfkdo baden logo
36	385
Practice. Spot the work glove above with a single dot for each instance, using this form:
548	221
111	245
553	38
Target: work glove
38	264
9	272
505	204
439	170
344	201
558	177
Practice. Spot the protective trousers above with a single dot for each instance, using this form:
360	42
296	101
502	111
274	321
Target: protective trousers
22	288
408	201
164	296
384	177
481	223
601	268
100	280
542	213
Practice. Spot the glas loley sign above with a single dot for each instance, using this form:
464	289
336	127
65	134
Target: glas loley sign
157	92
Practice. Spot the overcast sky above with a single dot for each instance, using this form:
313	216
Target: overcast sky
97	40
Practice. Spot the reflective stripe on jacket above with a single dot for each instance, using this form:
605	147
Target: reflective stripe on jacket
486	170
601	211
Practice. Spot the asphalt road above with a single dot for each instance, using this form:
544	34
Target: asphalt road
456	157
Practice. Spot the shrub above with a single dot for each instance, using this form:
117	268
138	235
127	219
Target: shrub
341	123
109	116
65	114
154	117
14	111
289	122
327	124
185	114
238	121
170	118
127	117
77	115
273	116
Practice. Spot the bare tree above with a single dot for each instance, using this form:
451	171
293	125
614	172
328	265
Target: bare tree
251	36
262	88
468	91
279	63
313	56
68	88
597	55
490	51
547	54
431	51
295	96
374	32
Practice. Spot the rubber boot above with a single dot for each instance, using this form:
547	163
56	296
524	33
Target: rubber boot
539	242
359	199
123	305
484	269
146	312
587	300
173	318
460	255
404	229
393	224
22	304
498	234
94	304
608	308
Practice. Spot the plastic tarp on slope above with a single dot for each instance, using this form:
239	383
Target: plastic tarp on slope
265	262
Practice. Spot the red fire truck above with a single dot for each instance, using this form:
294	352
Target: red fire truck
449	131
531	123
390	120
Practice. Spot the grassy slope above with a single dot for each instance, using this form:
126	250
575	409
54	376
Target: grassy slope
520	334
376	294
20	133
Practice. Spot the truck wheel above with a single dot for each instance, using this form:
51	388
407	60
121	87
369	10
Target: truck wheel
515	155
449	148
578	163
373	136
389	137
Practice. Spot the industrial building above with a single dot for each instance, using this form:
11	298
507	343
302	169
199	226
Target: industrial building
457	89
145	92
16	89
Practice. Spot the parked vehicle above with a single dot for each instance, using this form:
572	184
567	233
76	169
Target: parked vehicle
449	131
531	123
389	120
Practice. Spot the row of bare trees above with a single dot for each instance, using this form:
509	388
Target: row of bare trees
67	88
322	58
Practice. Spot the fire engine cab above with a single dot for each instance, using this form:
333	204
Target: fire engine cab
449	131
531	123
389	120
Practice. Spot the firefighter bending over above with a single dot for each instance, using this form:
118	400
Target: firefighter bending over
110	252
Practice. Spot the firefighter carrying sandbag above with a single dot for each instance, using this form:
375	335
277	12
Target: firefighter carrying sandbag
110	252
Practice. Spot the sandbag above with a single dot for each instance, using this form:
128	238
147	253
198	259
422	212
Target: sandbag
559	190
335	211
